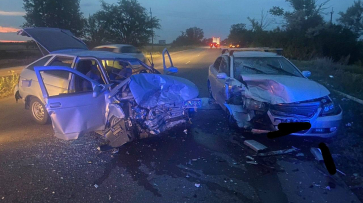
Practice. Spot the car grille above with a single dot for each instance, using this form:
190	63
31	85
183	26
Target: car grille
300	109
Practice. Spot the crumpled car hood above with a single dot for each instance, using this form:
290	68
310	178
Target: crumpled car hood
151	90
277	89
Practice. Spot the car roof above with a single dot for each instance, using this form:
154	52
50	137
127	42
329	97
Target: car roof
91	53
253	54
113	45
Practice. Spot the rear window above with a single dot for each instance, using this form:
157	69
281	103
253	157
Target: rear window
110	49
128	49
41	62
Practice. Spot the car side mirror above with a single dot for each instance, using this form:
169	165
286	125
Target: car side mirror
306	73
221	75
172	68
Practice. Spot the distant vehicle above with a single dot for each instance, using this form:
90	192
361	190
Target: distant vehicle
123	49
259	90
216	42
234	45
65	50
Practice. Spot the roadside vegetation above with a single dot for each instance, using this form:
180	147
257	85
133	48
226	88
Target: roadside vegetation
7	84
337	76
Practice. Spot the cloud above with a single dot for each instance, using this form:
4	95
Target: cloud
11	13
8	29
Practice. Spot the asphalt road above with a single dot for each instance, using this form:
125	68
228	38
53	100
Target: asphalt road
208	164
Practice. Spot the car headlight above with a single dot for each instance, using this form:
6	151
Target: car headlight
328	107
254	105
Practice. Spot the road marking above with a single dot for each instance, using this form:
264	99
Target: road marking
187	62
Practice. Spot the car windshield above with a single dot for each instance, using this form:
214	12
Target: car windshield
119	69
264	65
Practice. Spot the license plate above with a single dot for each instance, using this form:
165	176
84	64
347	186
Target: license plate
194	103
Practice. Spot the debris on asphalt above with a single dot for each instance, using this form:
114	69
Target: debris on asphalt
197	185
256	146
187	176
278	152
317	153
349	124
127	152
300	154
252	162
250	158
330	76
96	186
115	150
155	184
89	162
341	172
327	187
185	131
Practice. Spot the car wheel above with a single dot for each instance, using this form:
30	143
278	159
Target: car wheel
210	90
38	111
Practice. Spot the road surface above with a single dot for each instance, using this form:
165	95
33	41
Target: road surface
208	164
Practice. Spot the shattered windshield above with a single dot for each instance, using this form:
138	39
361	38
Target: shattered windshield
264	65
121	69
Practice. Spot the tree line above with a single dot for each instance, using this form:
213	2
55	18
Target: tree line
302	32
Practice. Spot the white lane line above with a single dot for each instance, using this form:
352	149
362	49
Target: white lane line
187	62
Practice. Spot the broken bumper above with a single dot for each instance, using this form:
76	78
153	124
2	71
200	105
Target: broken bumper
325	127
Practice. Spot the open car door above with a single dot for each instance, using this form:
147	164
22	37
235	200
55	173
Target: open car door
81	109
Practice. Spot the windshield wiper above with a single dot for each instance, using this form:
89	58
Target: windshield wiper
280	69
255	69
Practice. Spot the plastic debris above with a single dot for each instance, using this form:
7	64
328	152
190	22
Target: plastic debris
115	150
278	152
300	154
252	162
96	186
341	172
185	131
256	146
317	153
327	187
330	76
197	185
250	158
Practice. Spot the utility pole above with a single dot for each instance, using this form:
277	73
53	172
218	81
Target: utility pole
331	16
152	31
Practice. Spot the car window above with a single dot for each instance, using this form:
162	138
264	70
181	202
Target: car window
128	49
217	63
61	61
41	62
110	49
223	68
264	65
91	69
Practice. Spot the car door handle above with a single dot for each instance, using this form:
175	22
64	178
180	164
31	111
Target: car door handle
55	105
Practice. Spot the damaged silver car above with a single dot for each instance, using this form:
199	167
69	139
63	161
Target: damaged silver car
140	106
259	90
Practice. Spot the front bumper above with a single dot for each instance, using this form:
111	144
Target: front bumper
325	127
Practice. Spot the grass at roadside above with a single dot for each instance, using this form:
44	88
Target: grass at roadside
345	78
7	84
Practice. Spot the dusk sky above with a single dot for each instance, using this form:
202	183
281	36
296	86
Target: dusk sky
215	17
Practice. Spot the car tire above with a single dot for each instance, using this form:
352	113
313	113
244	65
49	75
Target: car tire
210	90
38	111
